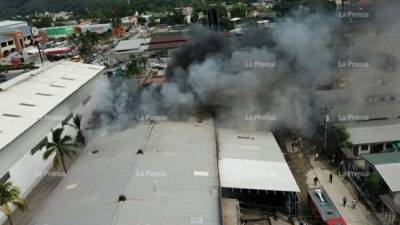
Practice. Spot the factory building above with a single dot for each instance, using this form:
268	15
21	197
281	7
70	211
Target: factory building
14	37
387	165
31	105
253	170
150	173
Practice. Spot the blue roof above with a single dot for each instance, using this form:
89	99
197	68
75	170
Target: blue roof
24	29
4	38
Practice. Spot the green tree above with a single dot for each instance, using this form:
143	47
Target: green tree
9	197
88	41
77	123
61	147
373	184
43	22
239	10
337	138
137	65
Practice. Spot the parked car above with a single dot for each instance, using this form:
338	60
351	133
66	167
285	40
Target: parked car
3	78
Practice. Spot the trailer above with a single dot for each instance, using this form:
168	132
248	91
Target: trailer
323	208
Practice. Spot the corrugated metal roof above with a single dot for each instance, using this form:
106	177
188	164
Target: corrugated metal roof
4	38
132	45
382	158
253	160
388	167
15	26
390	174
374	131
174	182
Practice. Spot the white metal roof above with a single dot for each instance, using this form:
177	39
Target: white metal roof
374	131
7	23
28	99
138	45
390	174
174	182
253	160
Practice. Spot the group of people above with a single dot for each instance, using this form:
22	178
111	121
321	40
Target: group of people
344	200
353	202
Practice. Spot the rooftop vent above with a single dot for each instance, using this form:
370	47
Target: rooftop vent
43	94
27	104
57	86
67	78
244	137
11	115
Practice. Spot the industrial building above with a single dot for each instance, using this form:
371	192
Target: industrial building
14	36
96	28
387	165
170	172
151	173
253	170
126	48
31	105
58	32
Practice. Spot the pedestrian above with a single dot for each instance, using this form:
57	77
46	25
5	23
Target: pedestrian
353	203
344	201
330	178
315	181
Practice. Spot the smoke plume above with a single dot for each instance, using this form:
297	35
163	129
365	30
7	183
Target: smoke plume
262	79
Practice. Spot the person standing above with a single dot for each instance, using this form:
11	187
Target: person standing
344	201
315	181
353	203
330	178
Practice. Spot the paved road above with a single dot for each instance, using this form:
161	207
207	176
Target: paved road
337	190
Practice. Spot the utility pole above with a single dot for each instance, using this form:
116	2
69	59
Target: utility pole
325	113
35	42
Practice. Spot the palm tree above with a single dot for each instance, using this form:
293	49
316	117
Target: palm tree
77	120
9	196
61	146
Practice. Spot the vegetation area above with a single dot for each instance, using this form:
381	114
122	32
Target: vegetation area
60	147
136	66
337	138
9	198
106	9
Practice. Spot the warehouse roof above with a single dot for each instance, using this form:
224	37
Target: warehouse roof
4	38
15	26
28	99
174	181
388	167
134	45
377	131
382	158
253	160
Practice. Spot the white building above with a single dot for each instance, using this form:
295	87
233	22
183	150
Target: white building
31	105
